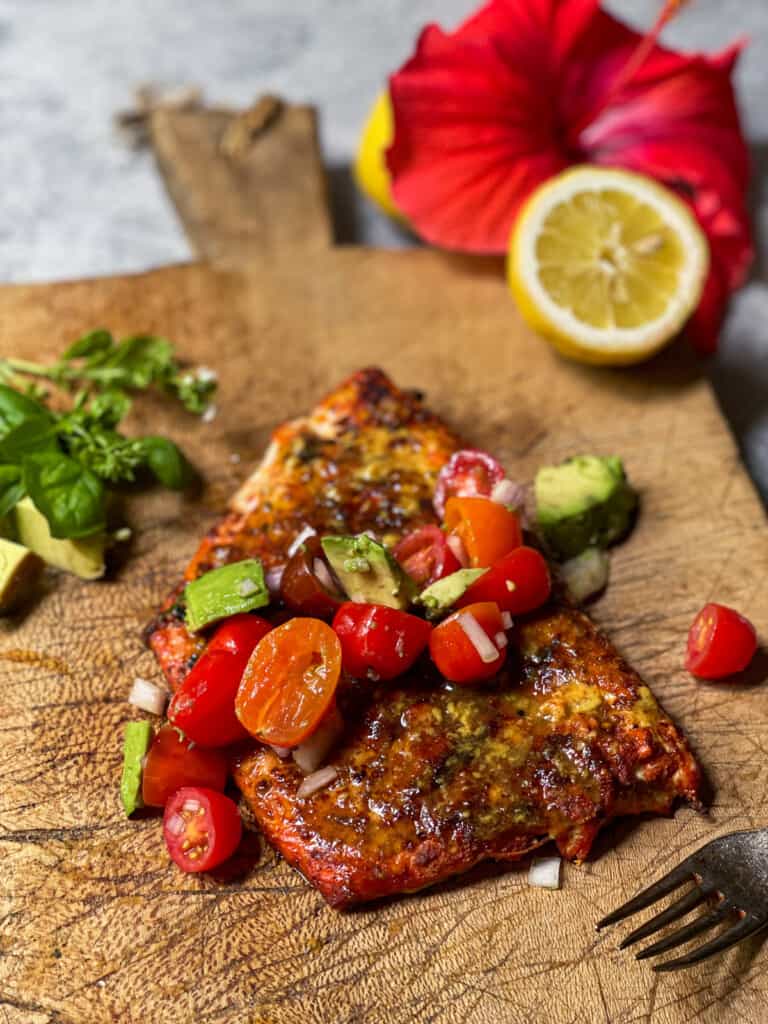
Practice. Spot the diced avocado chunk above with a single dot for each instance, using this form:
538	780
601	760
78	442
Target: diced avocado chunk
584	502
84	558
367	571
228	590
20	569
442	594
138	736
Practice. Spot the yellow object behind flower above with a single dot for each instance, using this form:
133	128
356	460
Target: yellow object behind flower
370	166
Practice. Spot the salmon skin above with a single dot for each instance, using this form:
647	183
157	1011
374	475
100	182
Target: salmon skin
432	778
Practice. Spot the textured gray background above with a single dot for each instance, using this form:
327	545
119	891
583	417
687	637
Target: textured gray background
76	202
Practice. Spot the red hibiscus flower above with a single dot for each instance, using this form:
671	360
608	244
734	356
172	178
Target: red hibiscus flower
526	88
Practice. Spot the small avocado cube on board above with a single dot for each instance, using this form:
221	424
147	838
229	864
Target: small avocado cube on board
138	736
443	594
84	557
20	570
367	571
584	502
228	590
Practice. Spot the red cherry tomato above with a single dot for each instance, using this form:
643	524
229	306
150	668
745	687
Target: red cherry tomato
204	705
290	682
173	762
518	583
202	828
302	590
487	530
379	642
721	643
425	556
470	473
454	653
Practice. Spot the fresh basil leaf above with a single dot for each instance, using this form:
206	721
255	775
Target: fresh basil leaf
167	462
69	495
108	408
15	408
137	362
33	435
12	488
92	344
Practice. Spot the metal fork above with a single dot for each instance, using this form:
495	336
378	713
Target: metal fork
731	874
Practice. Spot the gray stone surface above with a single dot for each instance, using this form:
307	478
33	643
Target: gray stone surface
76	202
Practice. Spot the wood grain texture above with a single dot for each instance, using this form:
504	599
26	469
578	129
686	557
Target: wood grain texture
98	926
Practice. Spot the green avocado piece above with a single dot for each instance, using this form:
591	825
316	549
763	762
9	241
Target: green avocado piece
20	570
584	502
84	558
442	594
138	736
367	571
228	590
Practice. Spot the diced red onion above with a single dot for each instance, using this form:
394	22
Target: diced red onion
305	534
507	492
501	640
544	872
247	587
310	754
147	696
323	574
586	574
273	578
506	620
316	781
456	544
477	636
175	824
282	752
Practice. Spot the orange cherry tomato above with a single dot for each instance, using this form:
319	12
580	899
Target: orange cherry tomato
289	682
487	530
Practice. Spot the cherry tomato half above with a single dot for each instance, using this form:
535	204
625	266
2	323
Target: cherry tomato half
518	583
425	556
173	762
379	642
204	705
301	588
470	473
487	530
201	827
454	653
290	682
721	643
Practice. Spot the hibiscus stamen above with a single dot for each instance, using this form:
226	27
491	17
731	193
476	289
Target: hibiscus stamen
647	43
636	60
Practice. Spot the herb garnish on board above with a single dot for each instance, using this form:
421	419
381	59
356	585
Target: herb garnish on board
65	461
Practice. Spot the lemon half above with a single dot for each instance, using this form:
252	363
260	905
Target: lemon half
606	264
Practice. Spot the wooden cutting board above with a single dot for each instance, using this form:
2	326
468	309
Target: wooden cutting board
97	925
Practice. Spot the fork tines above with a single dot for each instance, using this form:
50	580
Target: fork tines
745	925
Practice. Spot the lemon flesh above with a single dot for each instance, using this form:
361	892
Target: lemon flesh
370	168
606	264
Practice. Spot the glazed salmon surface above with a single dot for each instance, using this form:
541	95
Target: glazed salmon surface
431	777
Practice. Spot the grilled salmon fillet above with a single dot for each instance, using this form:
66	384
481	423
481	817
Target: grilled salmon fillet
431	777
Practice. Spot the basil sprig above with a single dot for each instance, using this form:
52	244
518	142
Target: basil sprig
65	461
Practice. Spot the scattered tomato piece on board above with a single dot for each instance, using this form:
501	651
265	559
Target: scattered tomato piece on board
173	761
721	643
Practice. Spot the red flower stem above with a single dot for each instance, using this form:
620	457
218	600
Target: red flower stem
636	60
